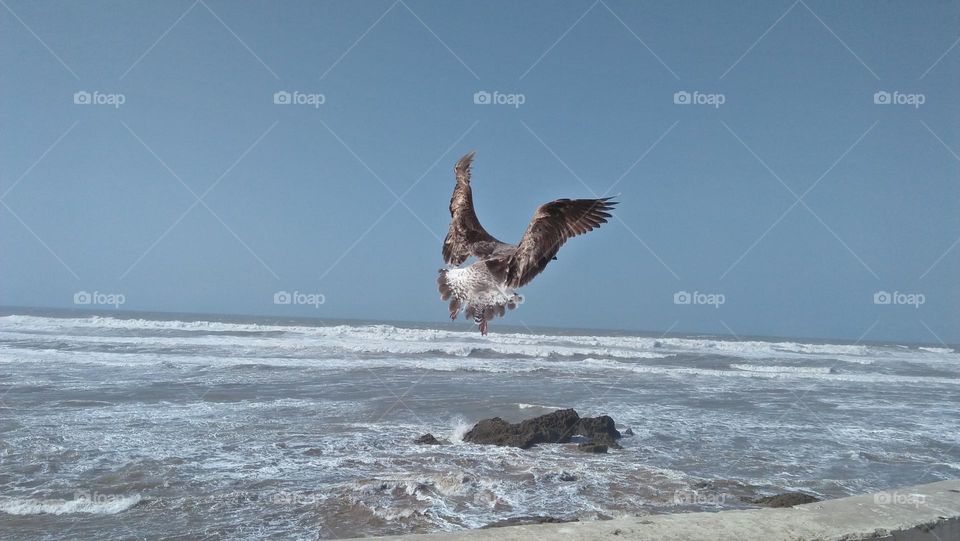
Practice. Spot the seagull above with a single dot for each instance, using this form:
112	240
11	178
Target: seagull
487	288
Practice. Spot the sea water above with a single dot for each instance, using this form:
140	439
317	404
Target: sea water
243	428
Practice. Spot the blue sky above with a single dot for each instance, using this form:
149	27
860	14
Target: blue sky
795	201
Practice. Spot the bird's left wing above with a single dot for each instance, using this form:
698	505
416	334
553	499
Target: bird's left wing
551	226
465	230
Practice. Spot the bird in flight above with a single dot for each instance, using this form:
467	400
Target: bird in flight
486	288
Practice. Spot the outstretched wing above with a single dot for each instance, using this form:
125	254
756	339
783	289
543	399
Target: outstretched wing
551	226
465	230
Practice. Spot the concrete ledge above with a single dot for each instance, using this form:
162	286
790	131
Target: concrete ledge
920	513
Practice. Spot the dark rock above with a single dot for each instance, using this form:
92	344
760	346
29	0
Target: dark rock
556	427
599	429
520	521
567	477
628	432
428	439
592	447
313	452
786	499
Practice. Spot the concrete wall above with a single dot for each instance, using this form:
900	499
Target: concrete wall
920	513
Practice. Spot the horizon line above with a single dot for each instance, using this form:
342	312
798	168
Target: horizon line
513	327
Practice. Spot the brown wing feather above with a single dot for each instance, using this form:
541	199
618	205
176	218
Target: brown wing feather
465	229
551	226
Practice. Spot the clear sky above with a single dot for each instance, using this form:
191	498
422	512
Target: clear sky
785	192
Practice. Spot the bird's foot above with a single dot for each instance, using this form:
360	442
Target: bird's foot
483	327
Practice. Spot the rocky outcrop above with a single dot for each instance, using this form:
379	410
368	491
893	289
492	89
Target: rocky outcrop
557	427
428	439
591	447
520	521
600	429
786	499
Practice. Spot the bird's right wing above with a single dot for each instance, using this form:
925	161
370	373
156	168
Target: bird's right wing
551	226
465	229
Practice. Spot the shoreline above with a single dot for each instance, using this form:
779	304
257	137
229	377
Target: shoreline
928	512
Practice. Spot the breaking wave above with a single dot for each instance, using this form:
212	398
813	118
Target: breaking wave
235	339
102	504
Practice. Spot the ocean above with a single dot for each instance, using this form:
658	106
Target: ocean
181	427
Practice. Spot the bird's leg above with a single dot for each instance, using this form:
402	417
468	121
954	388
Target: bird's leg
483	327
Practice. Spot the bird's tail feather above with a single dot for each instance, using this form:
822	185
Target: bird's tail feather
447	294
480	308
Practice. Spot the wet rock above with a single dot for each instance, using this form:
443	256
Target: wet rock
428	439
628	432
556	427
313	451
592	447
600	429
786	499
520	521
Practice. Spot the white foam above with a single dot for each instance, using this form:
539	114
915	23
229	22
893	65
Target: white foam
357	340
98	504
391	339
291	344
891	379
524	406
936	350
459	428
784	369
